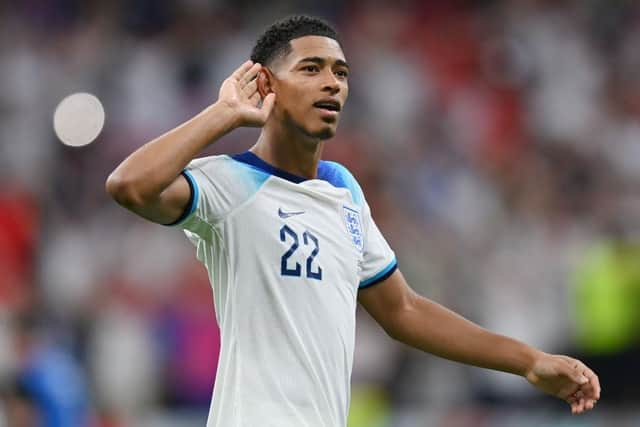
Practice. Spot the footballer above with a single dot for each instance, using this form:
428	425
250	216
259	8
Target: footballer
290	245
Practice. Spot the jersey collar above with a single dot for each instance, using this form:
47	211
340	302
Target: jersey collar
251	159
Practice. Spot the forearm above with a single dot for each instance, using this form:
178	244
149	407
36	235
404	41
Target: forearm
154	166
431	327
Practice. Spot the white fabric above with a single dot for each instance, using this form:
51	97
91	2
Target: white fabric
287	340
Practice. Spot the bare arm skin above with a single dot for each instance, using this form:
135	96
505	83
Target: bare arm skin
428	326
148	182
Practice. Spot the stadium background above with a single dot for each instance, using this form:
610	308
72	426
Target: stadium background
498	144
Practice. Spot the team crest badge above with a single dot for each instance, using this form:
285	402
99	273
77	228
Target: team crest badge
354	227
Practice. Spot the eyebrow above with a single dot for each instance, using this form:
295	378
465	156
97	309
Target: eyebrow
321	61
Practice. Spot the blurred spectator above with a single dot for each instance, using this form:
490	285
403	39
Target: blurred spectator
607	310
18	245
190	340
50	387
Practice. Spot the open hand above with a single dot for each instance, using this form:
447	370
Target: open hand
568	379
240	92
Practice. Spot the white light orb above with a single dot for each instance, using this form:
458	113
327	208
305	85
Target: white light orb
78	119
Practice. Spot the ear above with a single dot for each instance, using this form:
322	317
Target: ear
265	79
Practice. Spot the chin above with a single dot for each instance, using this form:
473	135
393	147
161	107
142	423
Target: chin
325	132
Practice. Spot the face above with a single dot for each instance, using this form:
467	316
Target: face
311	86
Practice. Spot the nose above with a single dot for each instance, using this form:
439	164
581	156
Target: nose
331	83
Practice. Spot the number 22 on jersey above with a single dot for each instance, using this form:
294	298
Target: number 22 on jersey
287	268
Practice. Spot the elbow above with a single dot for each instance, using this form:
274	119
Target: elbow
122	190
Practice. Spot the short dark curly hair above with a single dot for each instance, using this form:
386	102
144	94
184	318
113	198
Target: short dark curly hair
275	41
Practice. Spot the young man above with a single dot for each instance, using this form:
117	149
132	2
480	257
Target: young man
290	245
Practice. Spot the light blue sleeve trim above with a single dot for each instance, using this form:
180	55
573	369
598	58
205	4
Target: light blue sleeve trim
194	198
382	275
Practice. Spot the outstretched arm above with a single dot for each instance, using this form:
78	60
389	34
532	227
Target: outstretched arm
428	326
148	182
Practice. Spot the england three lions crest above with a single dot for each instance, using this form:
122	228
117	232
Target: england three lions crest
354	227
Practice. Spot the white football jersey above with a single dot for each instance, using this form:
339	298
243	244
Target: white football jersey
286	257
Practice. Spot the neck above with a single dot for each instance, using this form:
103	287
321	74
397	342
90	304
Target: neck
289	150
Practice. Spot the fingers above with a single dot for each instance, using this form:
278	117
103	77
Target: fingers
594	383
590	404
246	73
255	98
590	388
251	88
587	393
575	403
582	400
241	70
579	405
259	116
574	369
582	405
250	74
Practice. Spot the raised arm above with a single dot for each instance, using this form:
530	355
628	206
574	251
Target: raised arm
428	326
149	181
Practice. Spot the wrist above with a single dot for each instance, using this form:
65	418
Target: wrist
225	114
531	359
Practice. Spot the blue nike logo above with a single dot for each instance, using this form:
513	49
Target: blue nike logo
282	214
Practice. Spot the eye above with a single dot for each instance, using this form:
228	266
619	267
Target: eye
342	74
311	68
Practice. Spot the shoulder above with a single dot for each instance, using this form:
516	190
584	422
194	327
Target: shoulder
205	163
339	176
226	170
221	164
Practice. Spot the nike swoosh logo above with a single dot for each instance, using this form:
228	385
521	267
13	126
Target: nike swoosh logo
282	214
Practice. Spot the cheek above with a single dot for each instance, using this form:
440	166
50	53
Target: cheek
292	98
297	104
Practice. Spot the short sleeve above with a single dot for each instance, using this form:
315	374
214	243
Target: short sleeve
218	185
379	260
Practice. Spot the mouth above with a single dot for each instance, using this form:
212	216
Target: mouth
328	105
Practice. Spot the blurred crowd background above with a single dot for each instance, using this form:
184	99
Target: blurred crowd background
498	143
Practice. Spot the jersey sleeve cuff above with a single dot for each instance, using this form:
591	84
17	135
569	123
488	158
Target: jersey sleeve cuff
194	197
381	276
